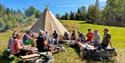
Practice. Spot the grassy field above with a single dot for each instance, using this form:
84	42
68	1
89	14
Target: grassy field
70	56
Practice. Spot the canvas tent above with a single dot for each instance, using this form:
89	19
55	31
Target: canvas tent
48	22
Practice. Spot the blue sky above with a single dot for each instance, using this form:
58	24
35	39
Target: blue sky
56	6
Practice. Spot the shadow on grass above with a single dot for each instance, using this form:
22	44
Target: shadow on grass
7	58
4	57
77	49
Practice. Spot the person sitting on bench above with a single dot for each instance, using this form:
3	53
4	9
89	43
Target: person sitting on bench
16	47
106	40
41	43
55	37
26	38
81	37
73	35
89	36
66	36
96	38
11	39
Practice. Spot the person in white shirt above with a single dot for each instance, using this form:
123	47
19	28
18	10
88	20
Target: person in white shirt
96	38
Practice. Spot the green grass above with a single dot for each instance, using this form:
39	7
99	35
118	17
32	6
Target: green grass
70	56
4	37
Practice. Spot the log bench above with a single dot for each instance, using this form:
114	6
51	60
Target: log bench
29	57
35	56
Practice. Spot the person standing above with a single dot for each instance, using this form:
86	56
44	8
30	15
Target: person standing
106	40
96	38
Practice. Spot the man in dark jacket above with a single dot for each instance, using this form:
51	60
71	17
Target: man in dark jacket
41	43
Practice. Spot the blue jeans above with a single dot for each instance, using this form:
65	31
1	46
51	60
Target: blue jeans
102	46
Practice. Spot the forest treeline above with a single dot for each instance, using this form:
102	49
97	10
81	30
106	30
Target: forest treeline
10	18
112	14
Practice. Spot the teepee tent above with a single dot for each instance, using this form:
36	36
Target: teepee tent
48	22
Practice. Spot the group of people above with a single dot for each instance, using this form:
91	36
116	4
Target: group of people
17	42
92	38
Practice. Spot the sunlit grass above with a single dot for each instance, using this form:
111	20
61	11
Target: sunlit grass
4	37
70	56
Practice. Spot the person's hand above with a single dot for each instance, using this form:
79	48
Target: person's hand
21	47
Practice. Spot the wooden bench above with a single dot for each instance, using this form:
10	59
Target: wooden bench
30	57
34	56
45	53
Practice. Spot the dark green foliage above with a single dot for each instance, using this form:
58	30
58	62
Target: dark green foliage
9	25
37	14
72	15
32	11
93	14
2	24
79	15
113	13
67	16
83	12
